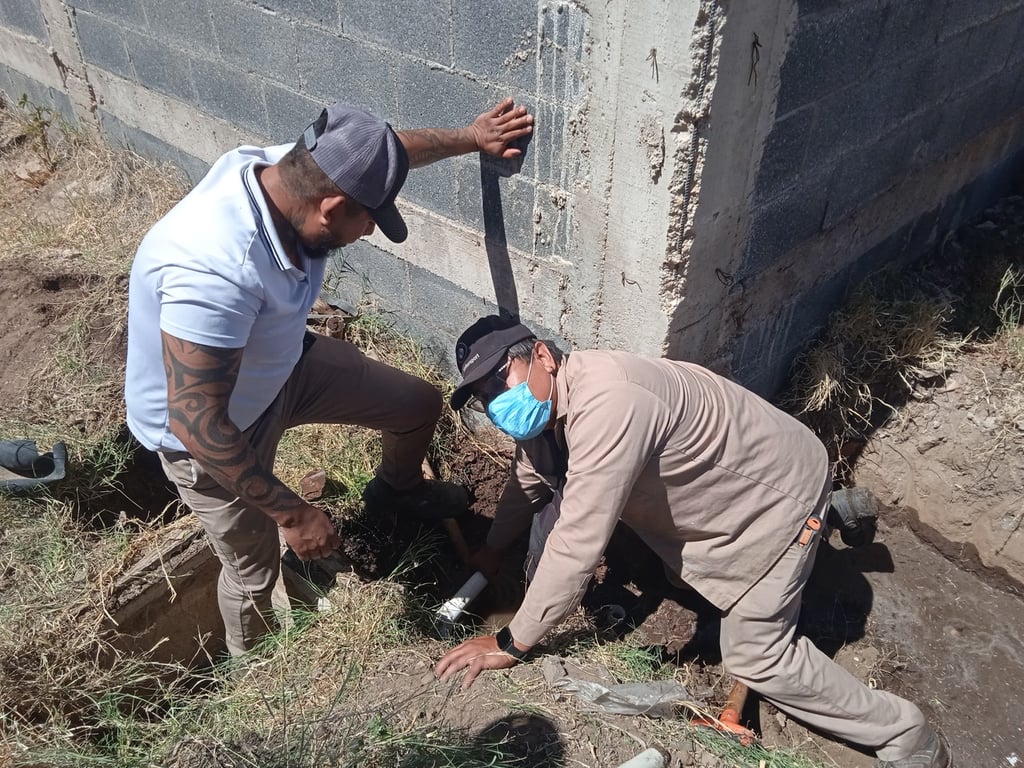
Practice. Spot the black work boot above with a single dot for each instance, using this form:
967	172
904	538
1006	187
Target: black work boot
430	500
932	753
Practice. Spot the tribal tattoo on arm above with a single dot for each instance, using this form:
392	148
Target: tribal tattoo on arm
427	145
200	380
492	132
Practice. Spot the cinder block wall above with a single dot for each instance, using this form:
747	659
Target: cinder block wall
707	177
883	125
573	239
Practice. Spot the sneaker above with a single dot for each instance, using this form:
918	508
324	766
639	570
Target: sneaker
430	500
933	753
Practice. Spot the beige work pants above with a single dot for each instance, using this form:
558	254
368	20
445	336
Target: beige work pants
333	383
760	648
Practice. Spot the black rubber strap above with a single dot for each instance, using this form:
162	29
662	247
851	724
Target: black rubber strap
507	645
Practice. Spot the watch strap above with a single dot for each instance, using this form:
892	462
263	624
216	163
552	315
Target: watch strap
506	644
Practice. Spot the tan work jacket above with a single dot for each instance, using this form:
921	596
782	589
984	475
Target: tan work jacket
714	479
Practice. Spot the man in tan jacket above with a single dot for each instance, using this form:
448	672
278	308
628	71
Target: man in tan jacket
730	492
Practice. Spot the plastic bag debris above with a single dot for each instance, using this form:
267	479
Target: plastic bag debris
655	699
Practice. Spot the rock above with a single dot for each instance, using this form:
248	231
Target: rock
33	171
311	487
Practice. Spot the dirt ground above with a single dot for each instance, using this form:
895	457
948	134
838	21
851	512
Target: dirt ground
932	610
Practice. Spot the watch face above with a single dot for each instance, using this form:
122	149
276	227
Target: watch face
507	644
504	638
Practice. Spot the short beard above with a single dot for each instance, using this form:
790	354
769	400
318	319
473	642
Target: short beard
320	248
318	254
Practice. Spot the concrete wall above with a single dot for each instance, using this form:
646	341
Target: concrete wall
687	192
853	134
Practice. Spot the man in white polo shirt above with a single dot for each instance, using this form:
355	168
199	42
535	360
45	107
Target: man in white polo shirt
219	361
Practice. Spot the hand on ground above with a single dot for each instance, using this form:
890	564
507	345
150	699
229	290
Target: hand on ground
496	128
474	656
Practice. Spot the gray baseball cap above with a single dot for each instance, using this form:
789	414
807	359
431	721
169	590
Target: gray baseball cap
480	348
363	156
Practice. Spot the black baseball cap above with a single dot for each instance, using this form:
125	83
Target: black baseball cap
481	347
364	157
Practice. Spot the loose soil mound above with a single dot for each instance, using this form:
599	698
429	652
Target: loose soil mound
953	453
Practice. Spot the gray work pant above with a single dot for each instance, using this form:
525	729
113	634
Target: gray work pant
760	648
333	383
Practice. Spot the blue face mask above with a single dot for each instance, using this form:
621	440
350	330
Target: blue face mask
519	414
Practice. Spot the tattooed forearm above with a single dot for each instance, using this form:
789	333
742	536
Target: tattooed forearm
200	380
427	145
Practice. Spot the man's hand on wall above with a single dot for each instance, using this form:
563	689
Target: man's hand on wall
496	128
491	132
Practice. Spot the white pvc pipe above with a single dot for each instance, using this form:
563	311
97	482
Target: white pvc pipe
450	612
649	758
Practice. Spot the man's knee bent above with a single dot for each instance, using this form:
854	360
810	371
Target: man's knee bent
753	666
422	403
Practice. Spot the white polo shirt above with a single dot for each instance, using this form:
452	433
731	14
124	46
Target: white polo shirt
213	271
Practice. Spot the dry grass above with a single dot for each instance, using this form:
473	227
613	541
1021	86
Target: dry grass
1009	308
906	331
874	354
107	198
90	207
72	207
55	665
348	455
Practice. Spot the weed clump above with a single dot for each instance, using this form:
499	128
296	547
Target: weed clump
1009	308
903	333
873	356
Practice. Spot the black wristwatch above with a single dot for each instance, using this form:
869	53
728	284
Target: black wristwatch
507	645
